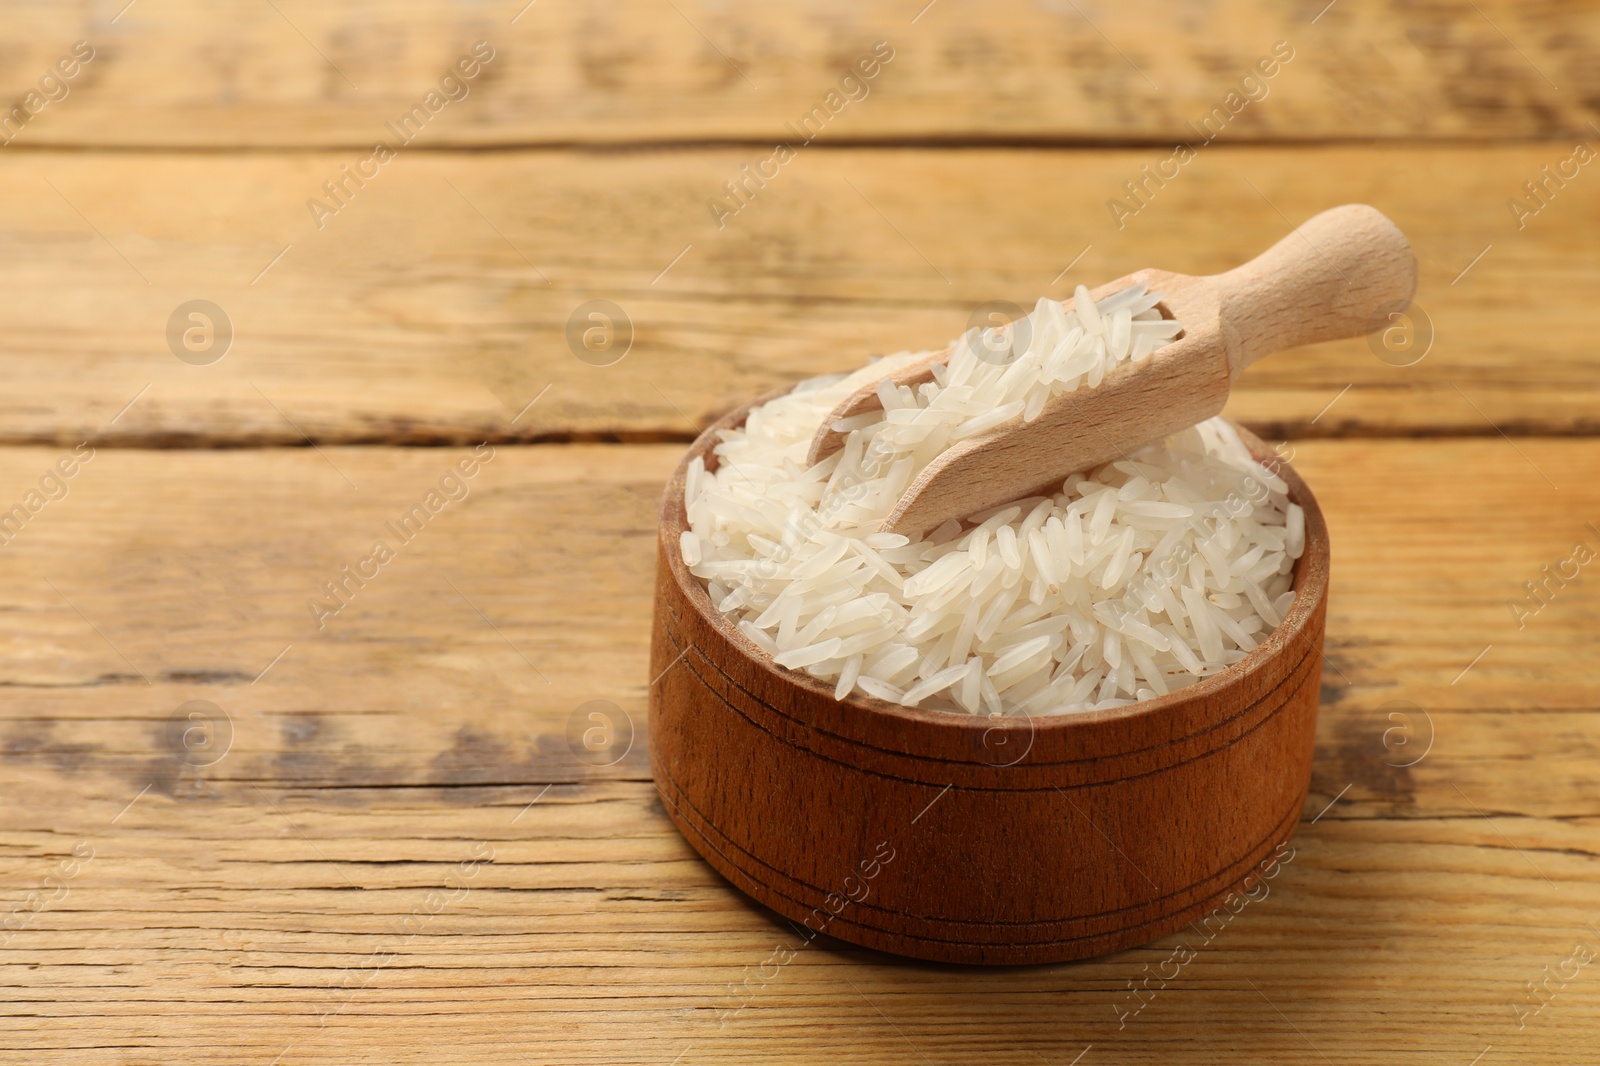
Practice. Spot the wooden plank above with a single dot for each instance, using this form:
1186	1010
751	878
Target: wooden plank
594	935
295	73
302	898
199	567
434	306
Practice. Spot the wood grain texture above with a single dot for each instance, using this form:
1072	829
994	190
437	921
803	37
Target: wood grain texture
321	892
301	899
433	307
824	810
295	73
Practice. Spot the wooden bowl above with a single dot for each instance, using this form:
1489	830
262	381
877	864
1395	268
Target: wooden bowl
971	839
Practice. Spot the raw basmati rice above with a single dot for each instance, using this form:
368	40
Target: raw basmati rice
1126	582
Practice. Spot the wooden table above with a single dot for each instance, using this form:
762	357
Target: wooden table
375	841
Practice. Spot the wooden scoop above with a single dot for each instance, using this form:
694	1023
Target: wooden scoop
1340	274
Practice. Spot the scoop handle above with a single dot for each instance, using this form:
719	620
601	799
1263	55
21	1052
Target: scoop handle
1339	274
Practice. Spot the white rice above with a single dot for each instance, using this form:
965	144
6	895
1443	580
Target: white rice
1126	582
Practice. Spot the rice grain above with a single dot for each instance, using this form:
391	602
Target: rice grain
1128	581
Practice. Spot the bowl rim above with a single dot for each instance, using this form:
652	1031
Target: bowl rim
1311	573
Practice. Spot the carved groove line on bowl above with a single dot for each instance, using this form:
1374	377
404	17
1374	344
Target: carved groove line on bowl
699	825
1293	683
